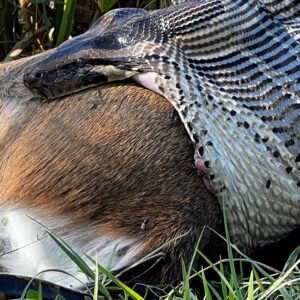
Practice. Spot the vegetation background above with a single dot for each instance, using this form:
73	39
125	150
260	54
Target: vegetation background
31	26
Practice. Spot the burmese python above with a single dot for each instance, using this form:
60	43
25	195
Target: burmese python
231	68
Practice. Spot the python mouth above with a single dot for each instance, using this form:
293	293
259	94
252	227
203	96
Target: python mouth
73	77
62	86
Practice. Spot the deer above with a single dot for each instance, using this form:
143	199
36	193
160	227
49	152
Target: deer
110	170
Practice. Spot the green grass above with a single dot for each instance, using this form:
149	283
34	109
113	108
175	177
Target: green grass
231	281
65	26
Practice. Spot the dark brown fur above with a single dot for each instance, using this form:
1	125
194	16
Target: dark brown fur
110	156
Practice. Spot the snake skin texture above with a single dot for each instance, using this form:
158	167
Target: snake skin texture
231	68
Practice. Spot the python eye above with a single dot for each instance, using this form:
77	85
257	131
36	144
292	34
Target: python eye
38	75
80	62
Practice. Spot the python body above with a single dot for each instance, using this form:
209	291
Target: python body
232	71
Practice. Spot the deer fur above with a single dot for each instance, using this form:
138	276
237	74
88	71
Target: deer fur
108	170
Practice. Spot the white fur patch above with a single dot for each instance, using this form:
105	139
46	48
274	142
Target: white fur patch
148	80
26	249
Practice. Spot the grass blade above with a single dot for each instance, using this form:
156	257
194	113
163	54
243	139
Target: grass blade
250	287
82	265
59	12
117	281
230	256
229	285
8	25
223	285
96	285
216	294
186	282
205	286
256	264
258	280
106	5
292	259
275	285
67	22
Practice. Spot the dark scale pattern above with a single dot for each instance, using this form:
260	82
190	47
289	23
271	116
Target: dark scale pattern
276	154
201	150
232	70
246	125
265	139
257	137
289	143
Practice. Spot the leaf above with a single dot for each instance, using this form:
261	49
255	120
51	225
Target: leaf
222	277
292	259
215	292
7	22
31	294
36	295
59	12
40	291
205	286
82	265
96	285
230	256
118	282
186	282
258	280
278	284
106	5
67	22
231	291
37	1
250	287
223	285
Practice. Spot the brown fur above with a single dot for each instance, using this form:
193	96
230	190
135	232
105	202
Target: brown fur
110	156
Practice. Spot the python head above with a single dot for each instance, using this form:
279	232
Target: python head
114	48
